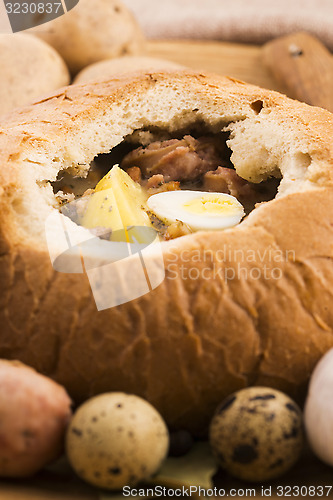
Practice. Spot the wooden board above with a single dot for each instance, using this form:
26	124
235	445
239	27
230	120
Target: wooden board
241	61
307	78
60	483
244	62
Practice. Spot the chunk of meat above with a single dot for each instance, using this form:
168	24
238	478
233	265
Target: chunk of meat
135	174
177	159
166	186
157	184
226	180
155	181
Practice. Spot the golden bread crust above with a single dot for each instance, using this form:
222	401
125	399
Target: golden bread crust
194	339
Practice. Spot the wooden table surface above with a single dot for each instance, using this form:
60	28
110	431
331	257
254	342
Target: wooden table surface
59	483
241	61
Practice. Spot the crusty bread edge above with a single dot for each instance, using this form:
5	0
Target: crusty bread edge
190	342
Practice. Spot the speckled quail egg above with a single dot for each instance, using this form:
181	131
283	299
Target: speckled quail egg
257	434
116	439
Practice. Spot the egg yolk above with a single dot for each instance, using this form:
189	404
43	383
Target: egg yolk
211	205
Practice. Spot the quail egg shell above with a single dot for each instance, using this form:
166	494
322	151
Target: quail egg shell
116	439
257	434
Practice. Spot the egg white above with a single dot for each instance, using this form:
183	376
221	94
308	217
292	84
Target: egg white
189	208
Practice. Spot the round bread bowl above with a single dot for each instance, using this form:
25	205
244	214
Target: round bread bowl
246	306
109	68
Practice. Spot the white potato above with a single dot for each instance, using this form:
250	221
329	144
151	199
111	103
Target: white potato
34	414
93	31
30	68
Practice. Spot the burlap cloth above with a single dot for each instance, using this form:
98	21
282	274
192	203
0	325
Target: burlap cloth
253	21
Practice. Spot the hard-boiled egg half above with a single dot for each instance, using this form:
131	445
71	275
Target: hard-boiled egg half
200	210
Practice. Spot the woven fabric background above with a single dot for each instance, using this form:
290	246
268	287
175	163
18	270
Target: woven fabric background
253	21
